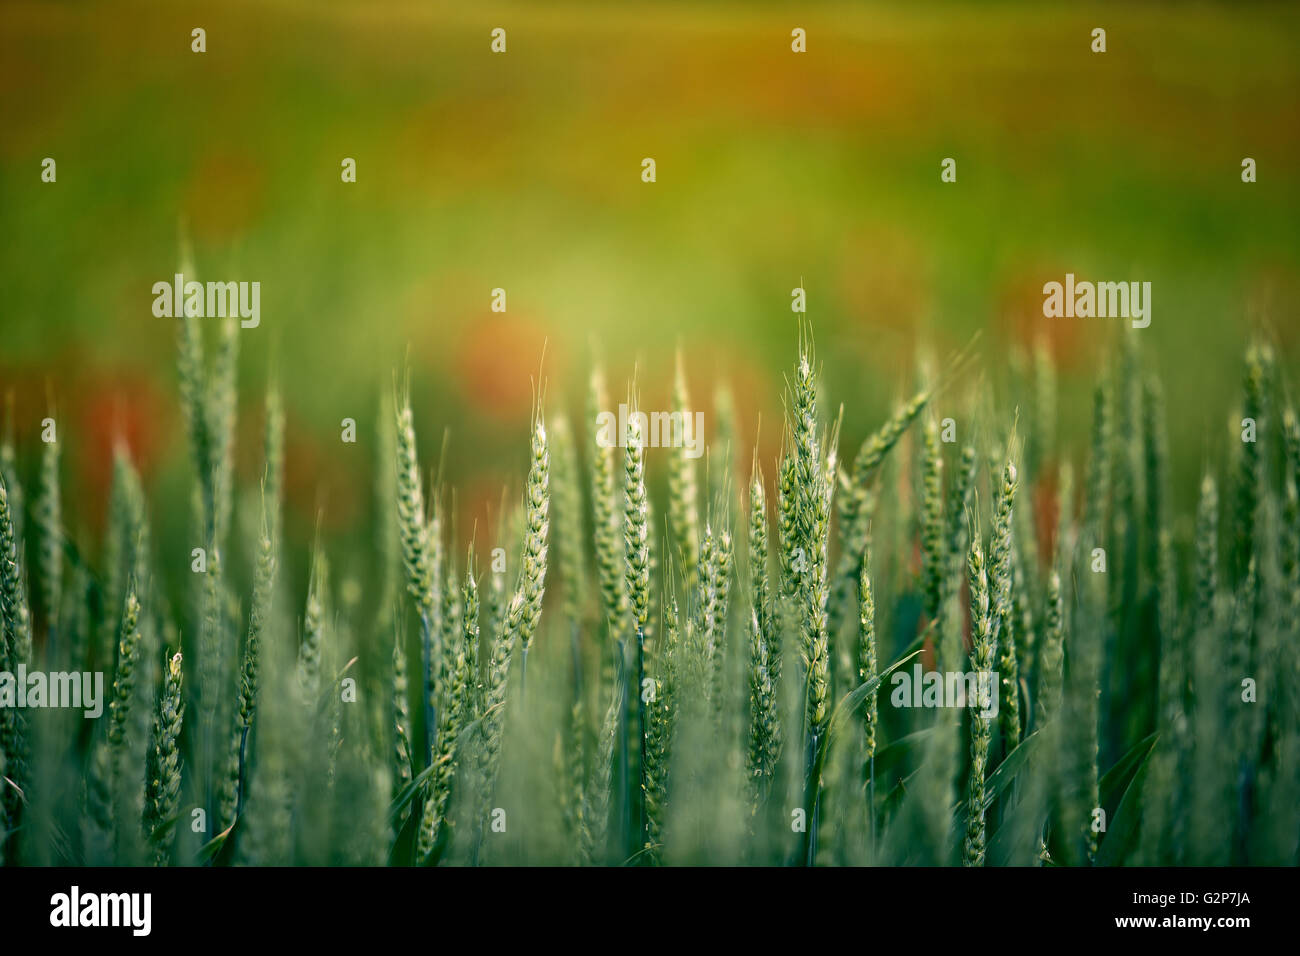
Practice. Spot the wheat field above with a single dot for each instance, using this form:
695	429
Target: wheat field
972	640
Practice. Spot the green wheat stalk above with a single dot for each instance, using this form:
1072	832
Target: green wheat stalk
571	557
1003	636
599	790
526	613
9	468
607	518
456	713
1249	464
401	753
49	534
569	535
683	518
520	620
1050	674
636	546
417	554
310	650
814	487
492	721
790	556
662	723
764	719
717	629
760	583
955	545
857	500
867	672
1088	639
932	519
17	644
124	689
980	731
164	785
259	616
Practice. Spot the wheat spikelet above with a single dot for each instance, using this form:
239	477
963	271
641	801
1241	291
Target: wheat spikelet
866	673
932	519
164	782
980	732
1003	621
607	518
524	616
636	526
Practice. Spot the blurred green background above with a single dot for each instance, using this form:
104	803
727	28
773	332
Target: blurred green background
522	171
